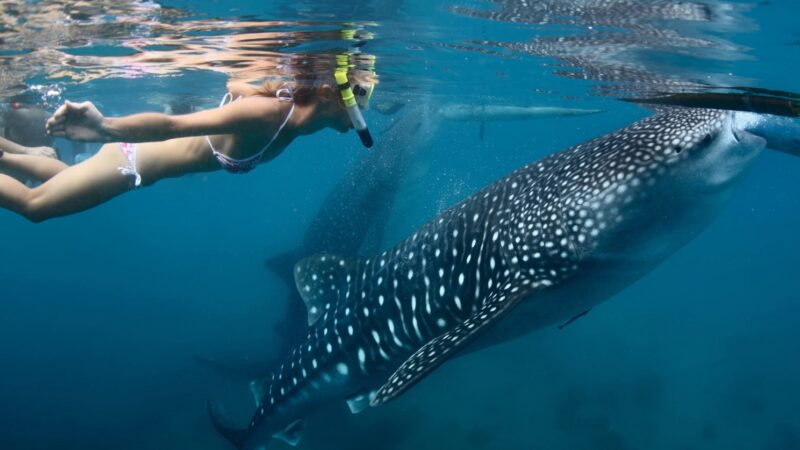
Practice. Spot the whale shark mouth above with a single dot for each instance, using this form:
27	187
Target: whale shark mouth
726	166
738	135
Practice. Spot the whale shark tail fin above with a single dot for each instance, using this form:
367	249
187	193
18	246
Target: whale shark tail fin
218	417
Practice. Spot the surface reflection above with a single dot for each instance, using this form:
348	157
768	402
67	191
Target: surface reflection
630	47
80	42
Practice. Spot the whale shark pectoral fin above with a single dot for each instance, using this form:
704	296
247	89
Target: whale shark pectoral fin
217	415
360	402
437	351
574	318
291	434
320	279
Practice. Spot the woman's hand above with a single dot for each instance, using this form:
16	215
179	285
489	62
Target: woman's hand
78	122
47	152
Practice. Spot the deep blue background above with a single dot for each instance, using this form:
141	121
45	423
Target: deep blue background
100	313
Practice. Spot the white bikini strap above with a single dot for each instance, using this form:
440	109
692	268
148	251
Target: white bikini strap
227	98
284	94
280	128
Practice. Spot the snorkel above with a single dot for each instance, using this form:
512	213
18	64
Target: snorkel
351	104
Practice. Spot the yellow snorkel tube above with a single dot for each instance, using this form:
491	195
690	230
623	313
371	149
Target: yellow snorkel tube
352	106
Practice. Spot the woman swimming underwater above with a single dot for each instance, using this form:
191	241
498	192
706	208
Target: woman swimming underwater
253	124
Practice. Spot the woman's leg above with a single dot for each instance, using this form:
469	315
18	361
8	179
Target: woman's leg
39	168
72	190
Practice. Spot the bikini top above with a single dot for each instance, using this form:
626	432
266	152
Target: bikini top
245	165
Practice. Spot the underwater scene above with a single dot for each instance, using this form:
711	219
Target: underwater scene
400	224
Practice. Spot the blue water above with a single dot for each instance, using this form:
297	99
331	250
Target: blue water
101	313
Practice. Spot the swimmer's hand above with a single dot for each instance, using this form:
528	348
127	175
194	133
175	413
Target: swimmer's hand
47	152
78	122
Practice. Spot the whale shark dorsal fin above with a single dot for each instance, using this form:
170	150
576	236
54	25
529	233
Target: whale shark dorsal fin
320	279
291	434
258	388
360	401
281	265
434	353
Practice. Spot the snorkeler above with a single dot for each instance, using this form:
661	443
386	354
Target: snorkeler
22	131
253	124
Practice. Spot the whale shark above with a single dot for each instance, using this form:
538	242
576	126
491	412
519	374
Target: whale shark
465	112
354	215
496	113
540	246
350	221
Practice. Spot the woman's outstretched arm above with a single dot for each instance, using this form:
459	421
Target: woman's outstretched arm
12	147
84	122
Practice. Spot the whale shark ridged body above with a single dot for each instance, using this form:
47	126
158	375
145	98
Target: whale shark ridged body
355	213
548	242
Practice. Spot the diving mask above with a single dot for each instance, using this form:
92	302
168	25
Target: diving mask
363	93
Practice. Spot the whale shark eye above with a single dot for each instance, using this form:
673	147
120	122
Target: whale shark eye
706	139
678	149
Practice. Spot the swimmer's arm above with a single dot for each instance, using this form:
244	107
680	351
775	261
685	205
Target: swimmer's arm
12	147
83	122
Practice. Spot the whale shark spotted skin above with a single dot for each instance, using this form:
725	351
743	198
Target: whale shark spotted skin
354	215
352	218
541	245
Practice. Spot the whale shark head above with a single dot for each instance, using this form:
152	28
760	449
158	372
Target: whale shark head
666	175
696	151
716	155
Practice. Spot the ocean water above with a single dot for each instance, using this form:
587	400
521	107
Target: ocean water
104	314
